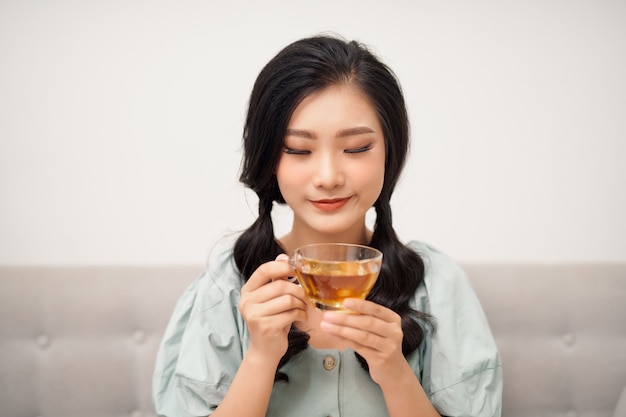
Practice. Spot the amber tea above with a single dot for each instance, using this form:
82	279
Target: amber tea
330	273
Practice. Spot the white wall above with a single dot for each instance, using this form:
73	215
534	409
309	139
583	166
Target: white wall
120	123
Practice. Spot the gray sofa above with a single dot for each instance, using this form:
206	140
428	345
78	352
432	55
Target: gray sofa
82	341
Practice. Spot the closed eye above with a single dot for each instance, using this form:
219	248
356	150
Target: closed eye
292	151
359	150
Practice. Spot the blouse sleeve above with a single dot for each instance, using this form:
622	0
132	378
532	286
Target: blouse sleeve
462	369
203	344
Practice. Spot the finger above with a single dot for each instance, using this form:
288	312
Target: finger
266	273
357	338
366	323
277	305
372	309
285	258
274	314
274	290
338	322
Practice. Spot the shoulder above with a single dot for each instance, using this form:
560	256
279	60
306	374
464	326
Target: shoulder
205	328
462	360
435	261
447	292
221	260
440	270
221	277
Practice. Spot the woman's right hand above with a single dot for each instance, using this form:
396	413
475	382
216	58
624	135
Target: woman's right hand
269	304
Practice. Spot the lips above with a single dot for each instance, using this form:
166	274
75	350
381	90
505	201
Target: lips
330	204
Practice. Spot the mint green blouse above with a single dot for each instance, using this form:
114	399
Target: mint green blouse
458	364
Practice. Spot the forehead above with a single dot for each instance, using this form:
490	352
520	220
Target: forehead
337	105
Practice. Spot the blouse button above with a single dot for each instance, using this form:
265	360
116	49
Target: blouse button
329	363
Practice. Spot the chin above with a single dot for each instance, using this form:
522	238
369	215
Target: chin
335	232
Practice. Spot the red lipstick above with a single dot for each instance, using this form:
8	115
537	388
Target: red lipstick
330	204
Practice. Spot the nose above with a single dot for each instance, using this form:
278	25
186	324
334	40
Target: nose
329	173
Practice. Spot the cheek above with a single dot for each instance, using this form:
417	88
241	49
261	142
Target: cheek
288	176
371	177
377	179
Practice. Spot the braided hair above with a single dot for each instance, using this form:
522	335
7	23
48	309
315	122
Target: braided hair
301	68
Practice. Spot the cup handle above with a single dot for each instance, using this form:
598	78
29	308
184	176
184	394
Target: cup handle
284	258
293	279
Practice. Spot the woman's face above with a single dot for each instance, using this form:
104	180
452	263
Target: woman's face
332	167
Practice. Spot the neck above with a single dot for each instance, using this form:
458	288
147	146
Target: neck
298	237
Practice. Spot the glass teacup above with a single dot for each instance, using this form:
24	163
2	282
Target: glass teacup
332	272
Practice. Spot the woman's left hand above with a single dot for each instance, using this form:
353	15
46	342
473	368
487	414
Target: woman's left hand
374	332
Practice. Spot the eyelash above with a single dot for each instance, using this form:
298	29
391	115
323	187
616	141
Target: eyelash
360	150
292	151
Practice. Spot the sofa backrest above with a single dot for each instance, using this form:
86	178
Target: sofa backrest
561	331
82	341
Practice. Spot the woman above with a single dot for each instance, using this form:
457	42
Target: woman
327	134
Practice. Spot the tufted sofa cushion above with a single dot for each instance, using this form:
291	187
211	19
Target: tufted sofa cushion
82	341
561	331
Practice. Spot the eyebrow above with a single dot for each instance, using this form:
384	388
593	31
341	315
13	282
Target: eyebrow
353	131
300	133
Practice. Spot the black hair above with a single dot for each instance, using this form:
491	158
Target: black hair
301	68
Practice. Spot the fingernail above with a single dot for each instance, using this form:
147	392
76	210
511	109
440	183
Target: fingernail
325	325
282	258
329	316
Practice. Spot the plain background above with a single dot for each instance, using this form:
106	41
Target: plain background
120	124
